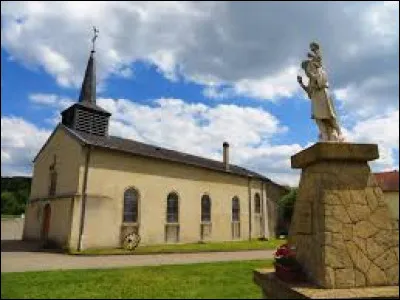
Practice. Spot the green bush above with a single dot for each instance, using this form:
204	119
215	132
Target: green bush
286	205
14	194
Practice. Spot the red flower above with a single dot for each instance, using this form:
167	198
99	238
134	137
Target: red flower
284	251
285	255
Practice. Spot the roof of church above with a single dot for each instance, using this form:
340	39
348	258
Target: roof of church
388	181
142	149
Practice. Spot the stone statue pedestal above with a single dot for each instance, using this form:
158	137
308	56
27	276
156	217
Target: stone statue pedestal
344	235
273	288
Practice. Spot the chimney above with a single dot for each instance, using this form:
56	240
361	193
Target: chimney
225	145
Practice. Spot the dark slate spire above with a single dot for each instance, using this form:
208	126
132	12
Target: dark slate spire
88	90
85	115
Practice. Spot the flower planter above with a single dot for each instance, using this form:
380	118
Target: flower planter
288	274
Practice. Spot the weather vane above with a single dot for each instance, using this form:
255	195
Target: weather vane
95	31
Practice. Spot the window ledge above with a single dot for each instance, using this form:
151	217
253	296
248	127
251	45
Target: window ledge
130	224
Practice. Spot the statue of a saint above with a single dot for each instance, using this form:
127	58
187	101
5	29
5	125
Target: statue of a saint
317	90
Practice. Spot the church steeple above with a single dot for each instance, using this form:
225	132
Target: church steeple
88	90
85	115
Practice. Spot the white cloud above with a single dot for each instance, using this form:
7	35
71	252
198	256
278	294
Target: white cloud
48	35
375	95
205	127
20	142
51	100
248	130
382	130
383	20
277	86
56	63
234	44
233	49
45	99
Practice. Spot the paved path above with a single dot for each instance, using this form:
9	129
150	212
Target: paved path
38	261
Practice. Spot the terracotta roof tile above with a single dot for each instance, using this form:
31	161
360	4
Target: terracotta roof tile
388	181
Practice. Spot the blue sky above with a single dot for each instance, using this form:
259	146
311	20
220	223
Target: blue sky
190	75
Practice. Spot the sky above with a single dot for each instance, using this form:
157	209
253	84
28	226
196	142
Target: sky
190	75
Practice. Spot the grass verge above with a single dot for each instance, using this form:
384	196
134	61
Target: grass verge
188	248
222	280
10	216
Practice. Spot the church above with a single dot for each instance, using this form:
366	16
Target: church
94	190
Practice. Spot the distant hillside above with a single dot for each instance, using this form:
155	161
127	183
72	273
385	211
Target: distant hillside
14	194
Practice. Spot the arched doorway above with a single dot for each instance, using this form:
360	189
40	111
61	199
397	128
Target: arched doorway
46	221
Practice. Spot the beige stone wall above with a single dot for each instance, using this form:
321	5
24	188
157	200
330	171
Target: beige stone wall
76	209
111	173
69	160
274	288
11	229
257	219
342	228
392	200
360	241
33	221
60	220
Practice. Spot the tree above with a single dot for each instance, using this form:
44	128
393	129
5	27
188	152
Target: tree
14	194
9	204
286	204
285	209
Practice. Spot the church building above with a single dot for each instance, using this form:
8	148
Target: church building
92	190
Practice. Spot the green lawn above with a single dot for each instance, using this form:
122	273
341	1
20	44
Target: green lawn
195	247
10	216
206	280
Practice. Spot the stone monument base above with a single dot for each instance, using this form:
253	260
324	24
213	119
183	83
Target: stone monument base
274	288
341	227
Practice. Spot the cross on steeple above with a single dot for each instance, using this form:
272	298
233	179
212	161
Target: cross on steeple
95	35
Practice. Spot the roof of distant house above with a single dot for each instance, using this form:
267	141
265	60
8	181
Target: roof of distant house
388	181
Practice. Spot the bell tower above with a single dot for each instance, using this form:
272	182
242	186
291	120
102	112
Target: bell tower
85	115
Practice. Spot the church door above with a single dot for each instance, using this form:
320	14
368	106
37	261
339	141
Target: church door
46	221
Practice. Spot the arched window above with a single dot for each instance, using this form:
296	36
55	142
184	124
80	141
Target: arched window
53	177
172	208
131	205
205	208
235	209
257	203
53	183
